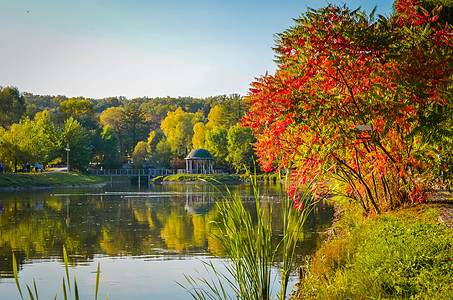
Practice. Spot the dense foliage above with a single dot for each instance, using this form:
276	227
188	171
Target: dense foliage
156	132
365	101
12	106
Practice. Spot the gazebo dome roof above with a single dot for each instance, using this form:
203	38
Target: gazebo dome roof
199	154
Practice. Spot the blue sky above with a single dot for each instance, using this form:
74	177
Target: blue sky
135	48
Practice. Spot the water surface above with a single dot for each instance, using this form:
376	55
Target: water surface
144	239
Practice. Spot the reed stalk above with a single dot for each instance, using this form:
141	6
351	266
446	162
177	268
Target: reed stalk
249	248
66	292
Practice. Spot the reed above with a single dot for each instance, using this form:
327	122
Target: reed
249	248
67	293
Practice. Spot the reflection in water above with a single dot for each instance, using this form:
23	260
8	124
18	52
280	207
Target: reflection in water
167	222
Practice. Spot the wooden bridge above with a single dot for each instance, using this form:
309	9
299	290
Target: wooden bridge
134	172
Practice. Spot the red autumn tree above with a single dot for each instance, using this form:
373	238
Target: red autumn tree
366	102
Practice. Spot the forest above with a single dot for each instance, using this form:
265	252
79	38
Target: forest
110	132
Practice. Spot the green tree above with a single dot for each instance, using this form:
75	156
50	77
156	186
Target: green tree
81	110
46	139
134	127
218	116
236	107
178	128
240	149
39	102
163	154
154	138
111	152
78	140
217	145
142	153
101	105
113	116
12	106
199	135
97	143
30	111
30	142
55	101
17	144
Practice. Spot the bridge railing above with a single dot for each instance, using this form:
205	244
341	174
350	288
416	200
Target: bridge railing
133	172
184	171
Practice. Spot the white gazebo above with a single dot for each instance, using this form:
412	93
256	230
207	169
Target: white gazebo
199	161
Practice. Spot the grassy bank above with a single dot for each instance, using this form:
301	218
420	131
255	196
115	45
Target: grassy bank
405	254
46	179
197	177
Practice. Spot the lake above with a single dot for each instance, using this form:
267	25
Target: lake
145	238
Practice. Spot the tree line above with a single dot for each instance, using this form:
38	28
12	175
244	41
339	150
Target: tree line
150	132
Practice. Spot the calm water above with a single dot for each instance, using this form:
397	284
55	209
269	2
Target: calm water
145	240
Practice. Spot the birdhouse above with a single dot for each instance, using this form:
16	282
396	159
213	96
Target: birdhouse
365	132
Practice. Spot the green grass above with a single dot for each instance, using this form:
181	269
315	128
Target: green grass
405	254
47	179
197	177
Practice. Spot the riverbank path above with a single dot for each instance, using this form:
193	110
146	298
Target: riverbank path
443	201
56	170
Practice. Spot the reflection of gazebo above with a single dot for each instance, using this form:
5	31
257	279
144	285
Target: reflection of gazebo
199	161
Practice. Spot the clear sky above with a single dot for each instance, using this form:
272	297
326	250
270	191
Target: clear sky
135	48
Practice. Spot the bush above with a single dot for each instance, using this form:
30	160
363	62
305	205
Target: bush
405	254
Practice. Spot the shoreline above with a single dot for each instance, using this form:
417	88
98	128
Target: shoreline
48	187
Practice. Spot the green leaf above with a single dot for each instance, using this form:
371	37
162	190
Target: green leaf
65	296
16	277
76	290
29	292
97	281
65	258
36	290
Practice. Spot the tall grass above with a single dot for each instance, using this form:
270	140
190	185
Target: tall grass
249	248
67	292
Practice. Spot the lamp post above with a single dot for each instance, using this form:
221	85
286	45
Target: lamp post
1	163
67	157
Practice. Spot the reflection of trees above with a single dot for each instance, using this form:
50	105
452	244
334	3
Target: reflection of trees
27	230
6	263
199	230
178	231
39	225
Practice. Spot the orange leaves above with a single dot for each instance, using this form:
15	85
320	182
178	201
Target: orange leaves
418	194
343	70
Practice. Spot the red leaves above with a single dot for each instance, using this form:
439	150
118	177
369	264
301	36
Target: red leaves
411	13
339	71
417	194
